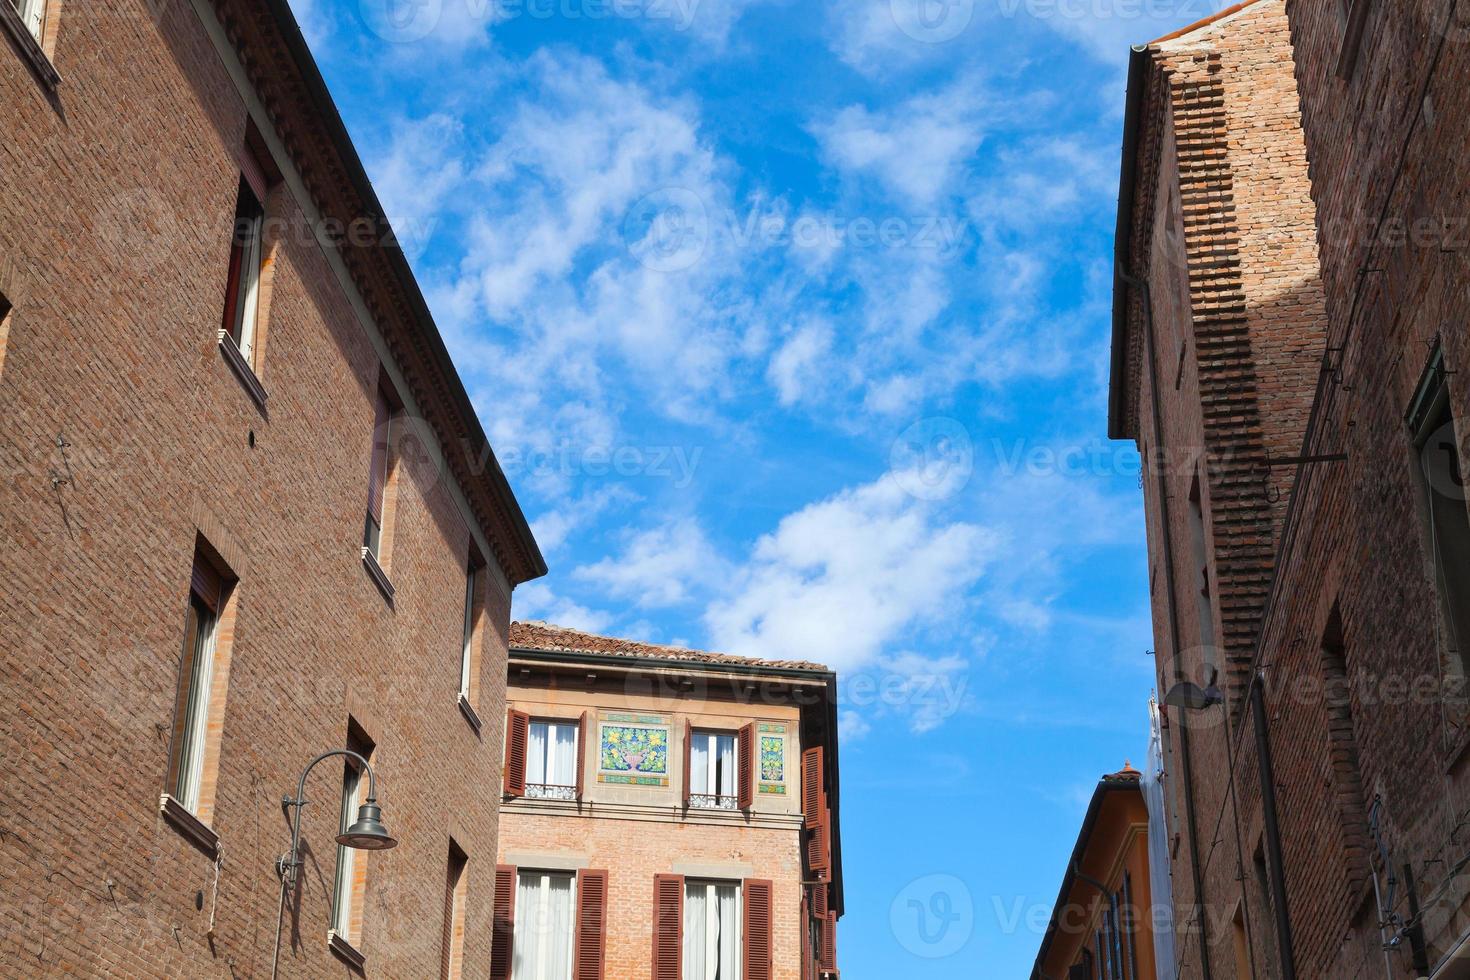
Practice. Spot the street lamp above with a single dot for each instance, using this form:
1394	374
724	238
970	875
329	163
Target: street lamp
367	832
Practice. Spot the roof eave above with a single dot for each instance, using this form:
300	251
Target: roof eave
1123	241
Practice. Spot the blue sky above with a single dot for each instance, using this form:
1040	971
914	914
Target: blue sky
789	323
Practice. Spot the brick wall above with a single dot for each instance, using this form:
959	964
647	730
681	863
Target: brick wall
115	207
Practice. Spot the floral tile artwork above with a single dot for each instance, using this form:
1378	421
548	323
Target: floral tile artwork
635	749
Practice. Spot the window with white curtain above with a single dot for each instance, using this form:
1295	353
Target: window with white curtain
711	930
712	770
467	645
33	12
196	677
246	256
551	760
344	888
545	913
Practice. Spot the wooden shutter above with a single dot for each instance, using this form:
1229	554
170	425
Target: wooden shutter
688	756
819	899
756	930
745	767
668	927
581	755
591	948
517	736
502	940
378	475
818	846
811	787
827	935
253	173
205	582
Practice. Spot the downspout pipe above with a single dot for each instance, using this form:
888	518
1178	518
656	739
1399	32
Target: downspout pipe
1276	871
1171	586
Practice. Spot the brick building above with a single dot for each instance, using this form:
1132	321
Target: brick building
1095	927
668	813
1317	553
248	515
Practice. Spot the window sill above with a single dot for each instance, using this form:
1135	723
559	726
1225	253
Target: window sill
376	573
190	827
344	950
30	49
243	371
468	710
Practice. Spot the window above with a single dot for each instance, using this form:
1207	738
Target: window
456	889
33	14
1266	918
1445	517
1342	743
195	685
1200	559
544	905
551	760
372	535
712	930
242	293
467	642
712	770
350	883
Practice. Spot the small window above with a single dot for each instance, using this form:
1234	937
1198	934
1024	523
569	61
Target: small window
1445	518
711	930
545	911
467	657
372	535
350	883
456	892
712	771
195	684
33	14
551	760
1199	554
242	294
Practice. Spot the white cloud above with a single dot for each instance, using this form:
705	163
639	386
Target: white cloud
536	600
841	579
661	566
420	167
802	361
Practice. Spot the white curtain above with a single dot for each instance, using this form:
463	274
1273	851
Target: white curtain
711	931
699	764
196	724
1160	885
536	753
545	912
563	762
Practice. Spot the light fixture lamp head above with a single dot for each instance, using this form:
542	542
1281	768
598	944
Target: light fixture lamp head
367	833
1189	695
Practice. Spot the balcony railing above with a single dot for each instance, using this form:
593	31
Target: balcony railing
550	791
713	801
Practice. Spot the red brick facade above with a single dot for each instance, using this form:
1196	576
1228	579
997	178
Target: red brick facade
1321	571
134	440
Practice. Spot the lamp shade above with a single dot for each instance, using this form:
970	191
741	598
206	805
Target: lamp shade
367	833
1187	694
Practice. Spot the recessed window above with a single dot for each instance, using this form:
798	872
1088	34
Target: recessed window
712	770
349	885
545	910
242	293
196	681
467	658
372	535
1445	517
551	760
711	930
456	894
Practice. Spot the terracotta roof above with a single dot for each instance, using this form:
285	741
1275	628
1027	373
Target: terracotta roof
1205	22
535	635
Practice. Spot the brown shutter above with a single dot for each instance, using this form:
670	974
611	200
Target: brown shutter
517	735
756	931
745	767
205	582
811	786
819	899
502	940
378	475
668	927
581	754
591	949
688	739
818	846
827	933
253	173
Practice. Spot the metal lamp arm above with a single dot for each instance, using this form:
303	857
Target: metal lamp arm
290	861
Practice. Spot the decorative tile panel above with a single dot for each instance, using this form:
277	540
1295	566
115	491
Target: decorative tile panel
771	758
633	750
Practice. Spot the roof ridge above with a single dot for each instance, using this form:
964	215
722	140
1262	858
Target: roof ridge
538	634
